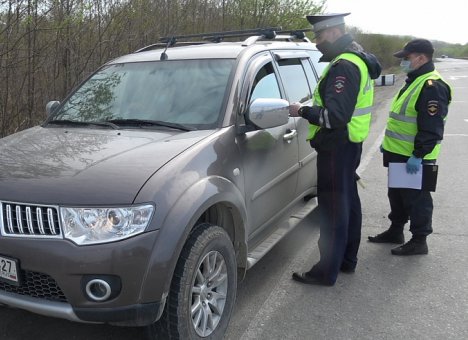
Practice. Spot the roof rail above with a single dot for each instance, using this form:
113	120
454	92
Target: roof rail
163	45
220	36
269	33
288	35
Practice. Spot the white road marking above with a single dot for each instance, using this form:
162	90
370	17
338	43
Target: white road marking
373	149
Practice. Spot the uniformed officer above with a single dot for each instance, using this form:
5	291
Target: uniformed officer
413	135
339	123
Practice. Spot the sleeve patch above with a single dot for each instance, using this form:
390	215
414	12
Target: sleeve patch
432	107
340	82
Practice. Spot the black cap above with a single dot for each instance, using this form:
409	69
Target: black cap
324	21
416	46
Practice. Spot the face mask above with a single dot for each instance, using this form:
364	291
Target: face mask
326	48
406	66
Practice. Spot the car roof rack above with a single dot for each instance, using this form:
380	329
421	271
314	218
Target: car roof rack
270	33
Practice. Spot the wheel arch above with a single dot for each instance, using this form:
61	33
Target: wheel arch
214	200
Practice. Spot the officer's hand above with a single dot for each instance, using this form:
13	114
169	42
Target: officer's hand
381	148
413	165
293	109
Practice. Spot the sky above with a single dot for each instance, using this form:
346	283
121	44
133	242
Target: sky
444	20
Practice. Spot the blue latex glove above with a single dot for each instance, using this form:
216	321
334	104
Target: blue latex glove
413	165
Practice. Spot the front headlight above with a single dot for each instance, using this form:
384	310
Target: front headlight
100	225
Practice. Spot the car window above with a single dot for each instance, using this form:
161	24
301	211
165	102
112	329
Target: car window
265	84
311	77
319	67
189	92
294	80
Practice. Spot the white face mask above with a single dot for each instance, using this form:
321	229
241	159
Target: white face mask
406	66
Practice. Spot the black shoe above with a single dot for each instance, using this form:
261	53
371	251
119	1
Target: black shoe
412	247
388	237
348	269
309	279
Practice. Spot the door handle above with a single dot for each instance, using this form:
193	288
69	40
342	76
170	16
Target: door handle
289	135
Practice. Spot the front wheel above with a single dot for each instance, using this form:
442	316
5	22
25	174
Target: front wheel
203	288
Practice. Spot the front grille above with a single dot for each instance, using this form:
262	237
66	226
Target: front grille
18	219
36	285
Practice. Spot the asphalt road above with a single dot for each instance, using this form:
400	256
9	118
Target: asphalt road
389	297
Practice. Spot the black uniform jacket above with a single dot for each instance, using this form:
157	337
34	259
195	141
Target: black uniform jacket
339	91
432	107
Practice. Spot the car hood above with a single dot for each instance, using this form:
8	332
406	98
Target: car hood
85	166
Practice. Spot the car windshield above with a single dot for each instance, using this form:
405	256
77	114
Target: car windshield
187	93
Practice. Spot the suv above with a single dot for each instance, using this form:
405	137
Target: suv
150	190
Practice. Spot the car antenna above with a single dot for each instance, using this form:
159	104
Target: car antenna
170	42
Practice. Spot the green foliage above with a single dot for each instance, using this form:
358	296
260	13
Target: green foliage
383	46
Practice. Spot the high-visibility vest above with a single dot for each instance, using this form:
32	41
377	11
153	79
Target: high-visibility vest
358	127
402	124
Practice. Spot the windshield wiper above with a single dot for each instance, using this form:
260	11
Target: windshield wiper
146	122
78	123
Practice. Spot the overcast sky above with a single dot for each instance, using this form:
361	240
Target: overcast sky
445	20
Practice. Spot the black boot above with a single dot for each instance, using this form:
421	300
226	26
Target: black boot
388	236
347	268
415	246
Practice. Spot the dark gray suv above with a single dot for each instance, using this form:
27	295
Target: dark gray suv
152	188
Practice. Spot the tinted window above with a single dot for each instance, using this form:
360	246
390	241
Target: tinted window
314	57
265	84
188	92
294	80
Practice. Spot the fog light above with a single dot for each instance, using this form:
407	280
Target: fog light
98	290
100	287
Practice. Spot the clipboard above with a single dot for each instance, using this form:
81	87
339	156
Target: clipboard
423	180
429	178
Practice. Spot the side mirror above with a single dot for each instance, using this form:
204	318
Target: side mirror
52	106
266	113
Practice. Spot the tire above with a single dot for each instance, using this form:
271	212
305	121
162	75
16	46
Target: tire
205	281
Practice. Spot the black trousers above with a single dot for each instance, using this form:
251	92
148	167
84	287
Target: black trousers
413	205
339	208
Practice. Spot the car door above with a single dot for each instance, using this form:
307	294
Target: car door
299	82
270	156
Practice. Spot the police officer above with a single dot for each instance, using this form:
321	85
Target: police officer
339	123
413	135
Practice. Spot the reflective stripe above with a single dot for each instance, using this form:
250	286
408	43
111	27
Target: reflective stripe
403	118
407	100
399	136
403	137
368	86
326	118
362	111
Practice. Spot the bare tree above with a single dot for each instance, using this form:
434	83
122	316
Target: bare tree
48	47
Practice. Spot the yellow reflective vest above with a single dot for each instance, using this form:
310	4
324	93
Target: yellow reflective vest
402	124
358	127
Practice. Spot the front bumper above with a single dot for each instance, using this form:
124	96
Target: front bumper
67	267
136	315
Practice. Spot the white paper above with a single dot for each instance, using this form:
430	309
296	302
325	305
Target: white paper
399	178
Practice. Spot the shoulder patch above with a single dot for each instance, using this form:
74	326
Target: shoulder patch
432	107
340	83
430	82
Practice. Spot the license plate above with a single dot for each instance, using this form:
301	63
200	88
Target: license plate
9	270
